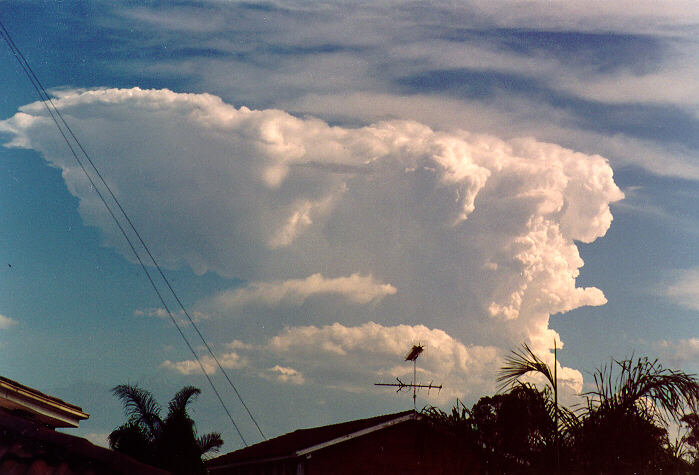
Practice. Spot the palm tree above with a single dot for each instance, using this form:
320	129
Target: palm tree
624	423
509	432
169	443
523	361
657	392
691	438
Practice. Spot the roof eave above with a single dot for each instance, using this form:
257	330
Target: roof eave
44	408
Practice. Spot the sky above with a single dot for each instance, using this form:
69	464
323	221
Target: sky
327	185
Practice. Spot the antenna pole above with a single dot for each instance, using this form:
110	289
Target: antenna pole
412	356
555	399
414	382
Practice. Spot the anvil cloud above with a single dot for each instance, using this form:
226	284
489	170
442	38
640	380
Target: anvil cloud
467	233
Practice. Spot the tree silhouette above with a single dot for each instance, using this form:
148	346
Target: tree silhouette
621	428
523	361
691	438
624	424
169	443
513	431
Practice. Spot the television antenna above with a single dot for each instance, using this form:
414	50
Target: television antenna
412	356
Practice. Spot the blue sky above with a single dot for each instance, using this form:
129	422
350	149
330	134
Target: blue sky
327	186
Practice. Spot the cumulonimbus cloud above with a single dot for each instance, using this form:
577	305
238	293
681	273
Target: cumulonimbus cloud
477	234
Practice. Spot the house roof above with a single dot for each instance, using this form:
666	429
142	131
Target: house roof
305	441
26	447
46	409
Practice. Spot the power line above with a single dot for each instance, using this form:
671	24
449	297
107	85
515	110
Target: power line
54	113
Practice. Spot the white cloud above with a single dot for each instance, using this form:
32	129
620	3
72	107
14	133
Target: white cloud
284	375
591	15
6	322
367	51
343	18
675	84
353	358
426	37
679	353
355	288
683	290
477	234
301	218
507	117
229	360
177	19
196	315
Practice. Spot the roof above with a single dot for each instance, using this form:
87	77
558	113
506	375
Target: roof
26	447
46	409
304	441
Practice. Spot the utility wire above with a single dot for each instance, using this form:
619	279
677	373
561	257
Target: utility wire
46	98
54	113
42	93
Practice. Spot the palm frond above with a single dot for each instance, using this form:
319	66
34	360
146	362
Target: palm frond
519	363
178	404
459	415
211	442
140	406
133	439
642	384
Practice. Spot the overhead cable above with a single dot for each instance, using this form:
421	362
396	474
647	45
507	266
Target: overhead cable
61	123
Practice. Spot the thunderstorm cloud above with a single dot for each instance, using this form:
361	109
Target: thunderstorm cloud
463	241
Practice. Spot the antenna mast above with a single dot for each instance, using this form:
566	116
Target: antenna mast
412	356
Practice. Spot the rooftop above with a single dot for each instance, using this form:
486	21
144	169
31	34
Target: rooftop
33	404
304	441
28	448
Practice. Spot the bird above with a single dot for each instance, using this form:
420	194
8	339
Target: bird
414	353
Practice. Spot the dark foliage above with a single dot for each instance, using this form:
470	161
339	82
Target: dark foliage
621	429
511	431
618	440
691	438
170	443
515	429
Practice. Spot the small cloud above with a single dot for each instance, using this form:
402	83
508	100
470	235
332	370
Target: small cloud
684	289
678	353
239	345
355	288
284	375
180	316
6	322
231	360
